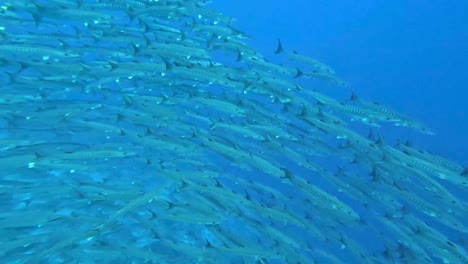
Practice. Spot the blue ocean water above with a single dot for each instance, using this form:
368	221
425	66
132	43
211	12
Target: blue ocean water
129	137
411	56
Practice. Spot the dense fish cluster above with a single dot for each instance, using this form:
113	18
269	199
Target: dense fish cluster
149	131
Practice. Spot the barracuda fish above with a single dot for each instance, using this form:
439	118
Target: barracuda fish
217	31
91	154
243	159
267	167
53	70
205	253
430	157
304	59
262	63
169	51
324	200
221	106
137	68
207	14
30	219
250	251
165	144
359	114
420	164
321	98
234	46
16	162
269	80
337	130
321	75
44	53
202	217
242	131
16	99
429	184
224	149
277	94
273	132
11	144
155	24
82	13
384	113
50	40
431	238
201	75
413	250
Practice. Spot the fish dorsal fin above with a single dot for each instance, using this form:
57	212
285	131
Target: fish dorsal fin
299	73
371	135
354	97
408	143
380	141
279	49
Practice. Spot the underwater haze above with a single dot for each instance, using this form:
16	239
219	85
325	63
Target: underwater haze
412	55
197	131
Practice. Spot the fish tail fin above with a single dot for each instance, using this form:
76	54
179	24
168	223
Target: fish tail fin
146	41
168	65
119	118
148	161
131	13
184	184
346	145
128	100
304	112
146	28
299	87
183	35
239	55
37	15
165	98
38	155
195	133
113	64
268	138
215	124
135	49
64	45
122	132
279	49
192	24
287	174
10	77
375	174
210	43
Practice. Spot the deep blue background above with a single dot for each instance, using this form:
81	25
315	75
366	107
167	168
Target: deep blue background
409	55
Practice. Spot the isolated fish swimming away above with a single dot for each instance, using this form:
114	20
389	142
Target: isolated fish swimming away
152	132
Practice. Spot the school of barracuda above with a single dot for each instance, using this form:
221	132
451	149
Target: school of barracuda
151	132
